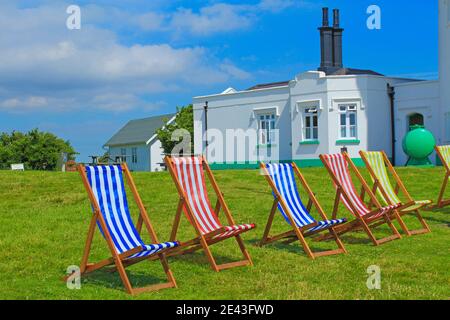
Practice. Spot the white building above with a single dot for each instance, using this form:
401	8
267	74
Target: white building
324	111
138	144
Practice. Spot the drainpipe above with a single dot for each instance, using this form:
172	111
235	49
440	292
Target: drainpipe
206	126
391	94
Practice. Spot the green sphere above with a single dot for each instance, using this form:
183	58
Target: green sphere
419	143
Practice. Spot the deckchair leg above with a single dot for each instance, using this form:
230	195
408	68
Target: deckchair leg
402	223
393	228
441	194
338	240
304	244
396	234
209	255
269	224
425	227
87	249
369	233
176	222
244	250
422	221
123	276
167	270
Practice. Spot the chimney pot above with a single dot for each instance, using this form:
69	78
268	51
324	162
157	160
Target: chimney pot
325	20
336	19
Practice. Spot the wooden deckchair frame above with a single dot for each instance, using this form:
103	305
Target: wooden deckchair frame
360	222
441	202
399	187
298	233
120	260
204	241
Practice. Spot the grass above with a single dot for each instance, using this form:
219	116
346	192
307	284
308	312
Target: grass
44	219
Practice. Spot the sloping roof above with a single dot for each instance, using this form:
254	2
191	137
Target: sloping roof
336	72
351	71
139	131
269	85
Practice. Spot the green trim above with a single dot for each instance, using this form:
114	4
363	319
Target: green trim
310	142
306	163
348	142
235	166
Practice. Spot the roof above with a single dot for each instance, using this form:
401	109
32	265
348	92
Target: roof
336	72
269	85
351	71
139	131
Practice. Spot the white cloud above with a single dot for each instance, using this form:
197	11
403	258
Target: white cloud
45	66
212	19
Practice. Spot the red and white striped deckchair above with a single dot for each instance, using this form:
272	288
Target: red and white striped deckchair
188	175
338	166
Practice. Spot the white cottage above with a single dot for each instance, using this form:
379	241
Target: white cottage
326	110
138	143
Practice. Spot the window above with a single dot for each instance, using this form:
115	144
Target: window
415	120
266	129
134	157
123	154
311	125
348	128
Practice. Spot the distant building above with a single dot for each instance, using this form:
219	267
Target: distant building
334	107
138	143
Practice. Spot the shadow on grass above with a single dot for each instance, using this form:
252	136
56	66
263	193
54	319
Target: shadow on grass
446	223
112	280
199	258
295	247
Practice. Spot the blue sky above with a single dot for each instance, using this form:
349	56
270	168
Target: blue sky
139	58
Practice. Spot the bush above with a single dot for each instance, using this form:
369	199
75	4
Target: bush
184	120
37	150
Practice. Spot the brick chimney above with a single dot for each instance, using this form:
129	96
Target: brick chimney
331	43
326	43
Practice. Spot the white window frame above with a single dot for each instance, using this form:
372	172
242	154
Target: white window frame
266	135
350	109
310	113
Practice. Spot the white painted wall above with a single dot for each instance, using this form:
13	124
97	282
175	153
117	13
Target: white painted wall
416	97
308	89
149	156
444	68
156	156
237	111
143	156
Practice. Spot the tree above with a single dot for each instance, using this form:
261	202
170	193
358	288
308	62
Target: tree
37	150
170	136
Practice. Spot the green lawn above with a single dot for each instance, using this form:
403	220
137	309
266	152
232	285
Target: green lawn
44	219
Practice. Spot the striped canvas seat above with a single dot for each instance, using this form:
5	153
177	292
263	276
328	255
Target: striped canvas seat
339	166
376	162
284	179
109	191
189	171
445	152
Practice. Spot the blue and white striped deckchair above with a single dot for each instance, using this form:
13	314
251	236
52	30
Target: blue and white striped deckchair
106	189
282	179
